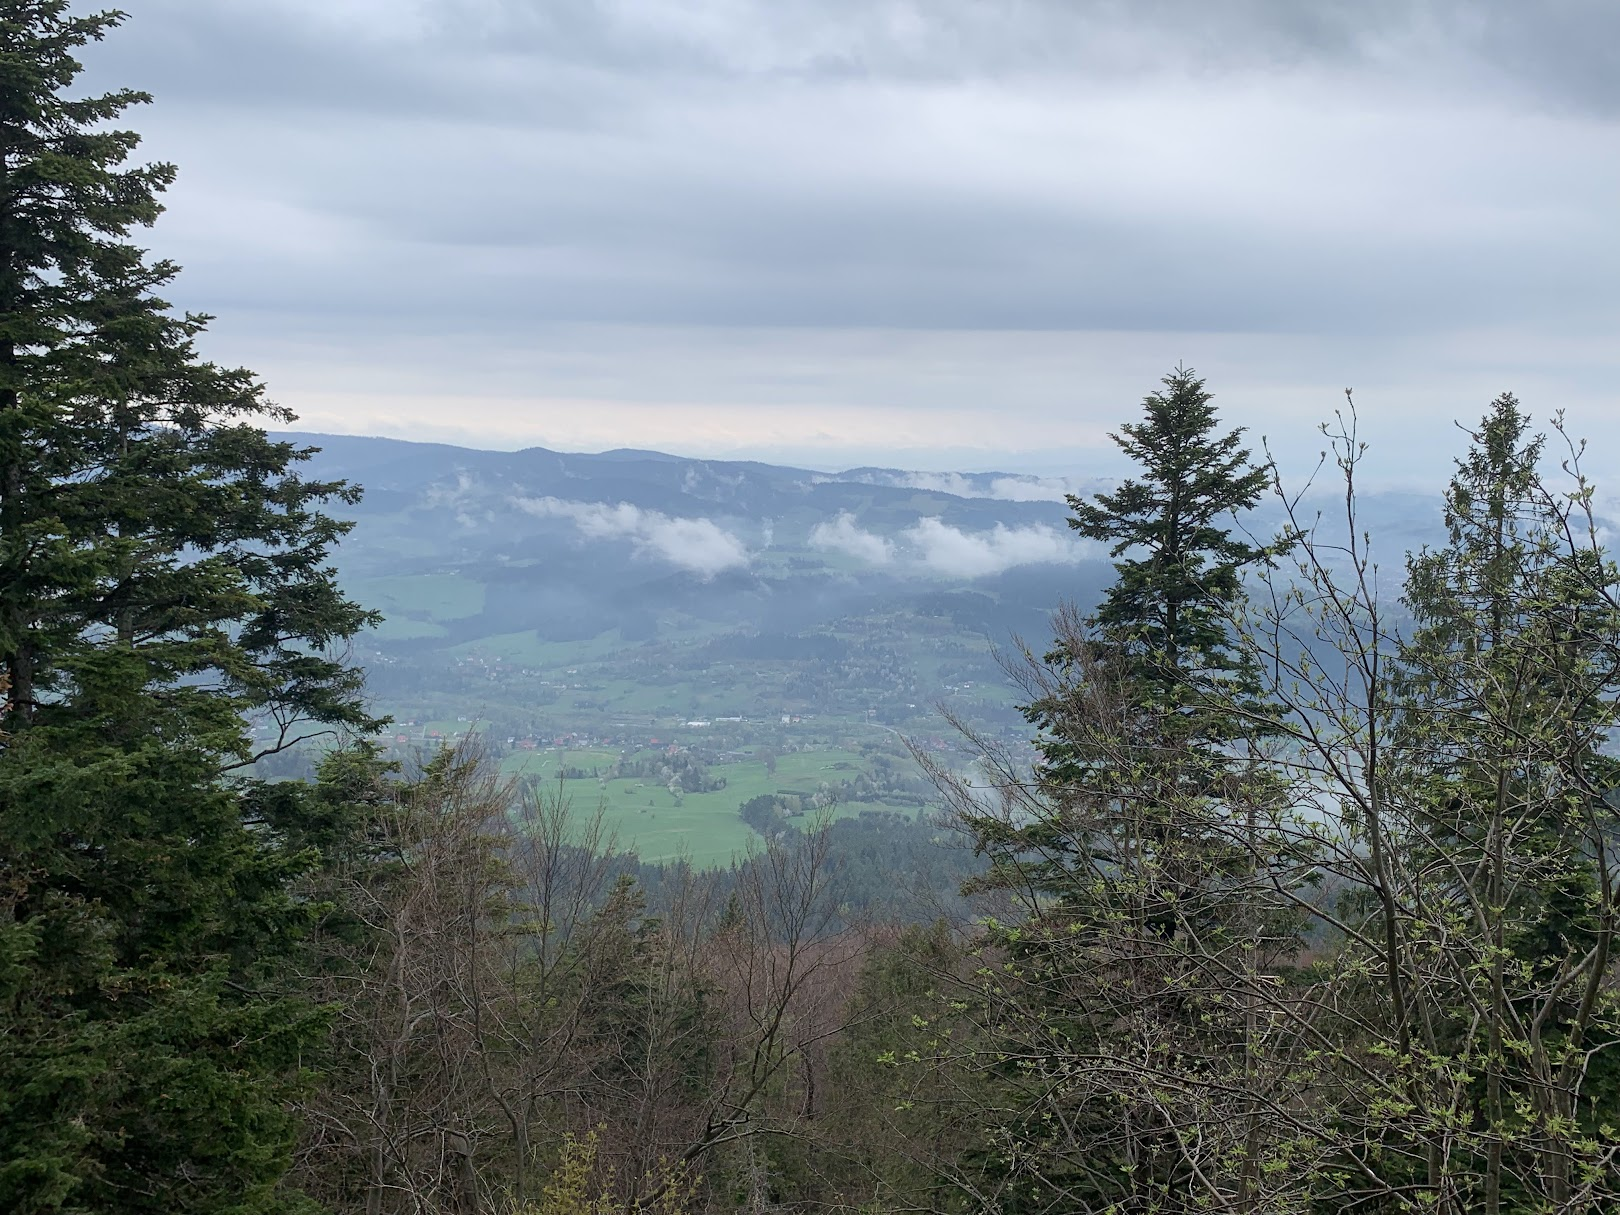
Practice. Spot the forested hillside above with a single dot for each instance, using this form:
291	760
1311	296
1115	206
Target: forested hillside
1294	890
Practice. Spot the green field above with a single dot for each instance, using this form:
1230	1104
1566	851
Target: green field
700	827
449	729
434	596
415	605
547	763
527	648
399	628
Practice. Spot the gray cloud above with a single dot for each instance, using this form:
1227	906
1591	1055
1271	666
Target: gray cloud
1375	182
467	58
701	546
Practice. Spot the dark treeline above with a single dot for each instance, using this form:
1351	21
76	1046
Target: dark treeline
1297	911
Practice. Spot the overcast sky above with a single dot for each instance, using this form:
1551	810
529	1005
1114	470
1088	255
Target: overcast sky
941	233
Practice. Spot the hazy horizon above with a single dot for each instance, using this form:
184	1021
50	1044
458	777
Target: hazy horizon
1095	464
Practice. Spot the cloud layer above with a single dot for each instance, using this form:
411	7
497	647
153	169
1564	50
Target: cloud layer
935	547
956	553
998	487
801	225
701	546
843	534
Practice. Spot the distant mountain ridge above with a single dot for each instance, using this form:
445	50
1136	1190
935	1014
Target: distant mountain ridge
571	544
491	496
990	520
388	461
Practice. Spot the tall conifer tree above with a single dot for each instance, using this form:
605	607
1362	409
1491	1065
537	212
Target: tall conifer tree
1140	852
162	573
1167	619
1161	646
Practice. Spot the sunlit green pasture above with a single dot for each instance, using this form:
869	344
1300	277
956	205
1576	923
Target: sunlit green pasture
704	828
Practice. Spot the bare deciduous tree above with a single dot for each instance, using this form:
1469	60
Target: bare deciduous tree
1373	968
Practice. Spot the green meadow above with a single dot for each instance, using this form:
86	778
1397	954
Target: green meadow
526	648
702	828
437	596
415	605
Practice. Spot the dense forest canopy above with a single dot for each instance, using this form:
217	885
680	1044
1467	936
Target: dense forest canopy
1307	902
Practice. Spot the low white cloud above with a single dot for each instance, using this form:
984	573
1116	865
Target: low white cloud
936	547
1002	488
1030	489
844	535
441	493
699	545
952	551
463	500
939	483
1605	515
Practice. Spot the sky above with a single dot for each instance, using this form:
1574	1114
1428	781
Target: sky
929	234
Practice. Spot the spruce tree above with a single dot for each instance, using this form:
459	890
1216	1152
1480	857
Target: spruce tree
1166	621
163	572
1142	852
1181	693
